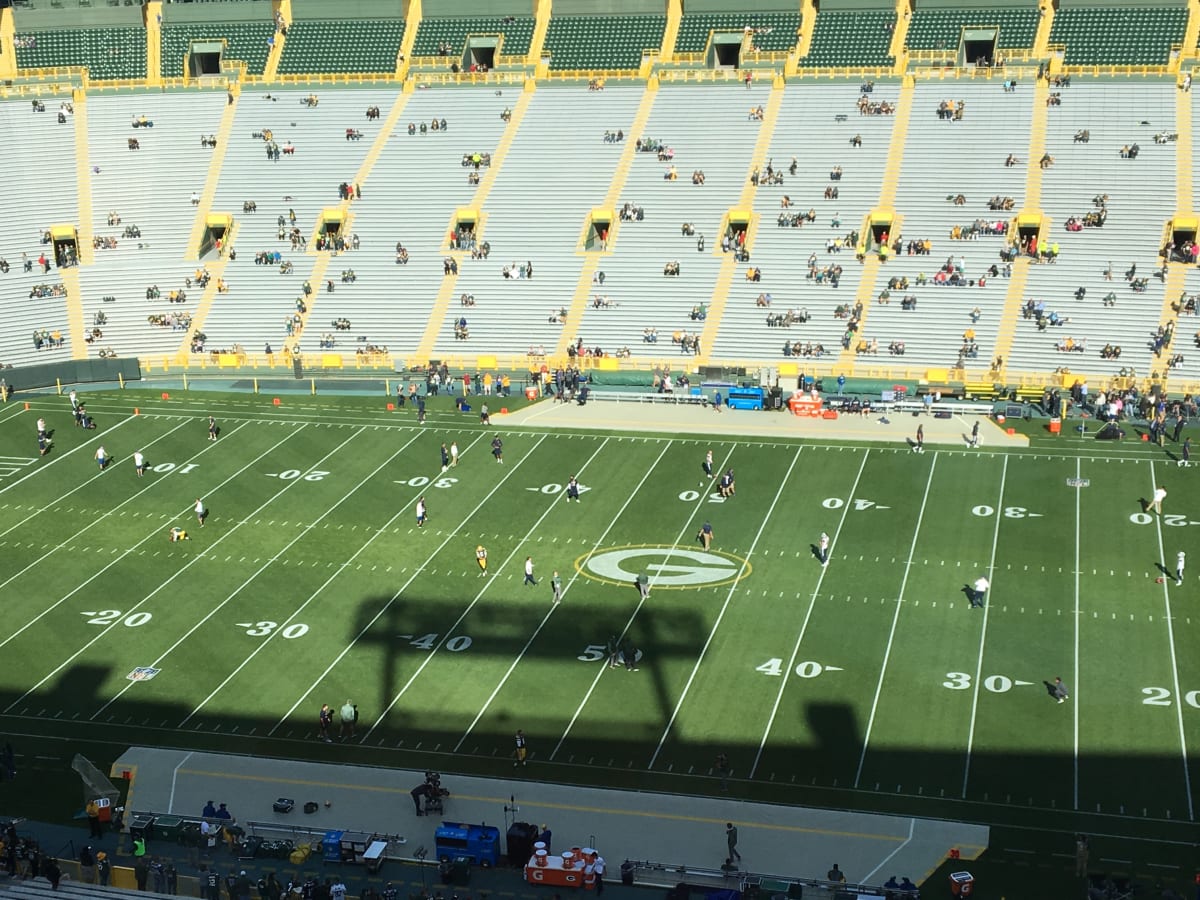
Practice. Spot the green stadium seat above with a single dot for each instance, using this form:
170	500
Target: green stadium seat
1123	36
341	46
602	42
434	32
695	28
247	41
108	53
852	39
941	29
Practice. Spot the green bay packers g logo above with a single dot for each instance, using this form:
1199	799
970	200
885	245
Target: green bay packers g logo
667	567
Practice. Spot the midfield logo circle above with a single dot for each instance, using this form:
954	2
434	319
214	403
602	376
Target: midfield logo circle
667	567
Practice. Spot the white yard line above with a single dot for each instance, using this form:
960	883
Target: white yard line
555	606
250	580
637	609
987	606
156	532
1166	585
81	485
328	581
451	534
69	660
174	779
866	879
1075	686
58	457
812	603
513	554
887	654
724	607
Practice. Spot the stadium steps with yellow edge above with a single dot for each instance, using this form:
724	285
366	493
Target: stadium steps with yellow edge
450	282
1191	33
224	133
900	36
83	178
152	15
720	293
1041	38
542	11
1014	298
216	269
271	70
316	276
75	323
8	47
1183	152
808	24
412	21
887	201
671	32
616	187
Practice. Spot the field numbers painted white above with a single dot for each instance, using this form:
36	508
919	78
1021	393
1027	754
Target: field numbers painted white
806	669
164	467
293	474
555	488
997	684
1160	696
1010	512
592	653
1172	520
455	644
262	629
859	503
111	616
419	481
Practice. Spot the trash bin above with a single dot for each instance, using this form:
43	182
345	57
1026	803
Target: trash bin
456	871
962	884
169	828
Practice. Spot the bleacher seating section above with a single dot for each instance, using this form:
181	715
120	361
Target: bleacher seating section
518	32
602	42
247	41
695	28
852	39
341	46
1126	36
941	29
109	53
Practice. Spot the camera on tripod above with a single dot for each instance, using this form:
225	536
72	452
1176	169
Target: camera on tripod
432	793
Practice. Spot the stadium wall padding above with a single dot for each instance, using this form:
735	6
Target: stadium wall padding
83	371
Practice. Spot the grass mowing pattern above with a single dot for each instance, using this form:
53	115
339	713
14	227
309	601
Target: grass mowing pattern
870	683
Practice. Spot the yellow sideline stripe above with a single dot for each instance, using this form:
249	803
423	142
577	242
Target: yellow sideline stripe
616	186
153	10
211	181
720	292
887	201
671	32
8	49
1015	296
216	268
83	179
75	326
450	282
316	276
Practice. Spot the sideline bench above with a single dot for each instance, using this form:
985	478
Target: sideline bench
648	397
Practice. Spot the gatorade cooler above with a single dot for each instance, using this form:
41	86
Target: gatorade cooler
962	884
1055	425
531	393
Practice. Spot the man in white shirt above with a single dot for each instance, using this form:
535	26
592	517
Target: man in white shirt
453	454
101	457
1179	560
139	463
201	512
598	869
979	594
1160	494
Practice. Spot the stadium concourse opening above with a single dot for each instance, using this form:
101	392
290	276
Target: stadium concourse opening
978	46
599	221
1029	229
725	50
216	227
66	245
879	230
204	58
1181	232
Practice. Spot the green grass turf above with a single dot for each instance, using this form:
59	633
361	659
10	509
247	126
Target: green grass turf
867	684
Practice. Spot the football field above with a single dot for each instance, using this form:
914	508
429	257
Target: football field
871	682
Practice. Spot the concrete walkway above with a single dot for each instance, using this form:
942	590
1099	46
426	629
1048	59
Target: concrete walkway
677	832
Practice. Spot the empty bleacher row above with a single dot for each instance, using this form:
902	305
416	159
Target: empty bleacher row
557	168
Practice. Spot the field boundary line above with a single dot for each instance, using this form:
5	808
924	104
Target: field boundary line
178	572
1166	586
338	571
85	483
641	601
532	530
60	456
553	607
724	607
383	609
987	606
887	653
266	565
912	828
157	531
812	604
1075	685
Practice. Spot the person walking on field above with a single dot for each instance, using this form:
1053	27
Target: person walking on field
1160	494
1179	561
481	559
556	586
919	443
823	549
529	579
731	839
520	751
